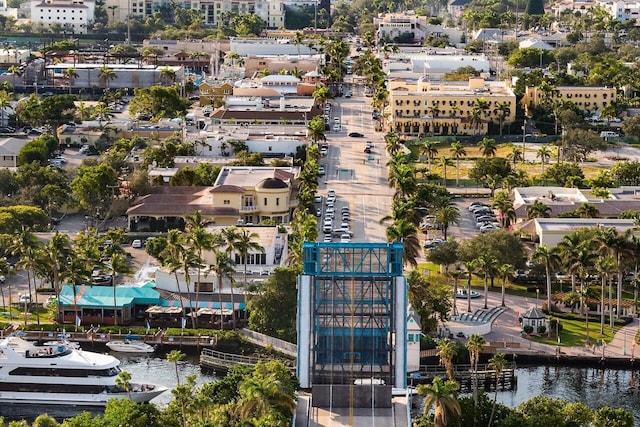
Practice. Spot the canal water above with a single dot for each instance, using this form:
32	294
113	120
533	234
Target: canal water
594	387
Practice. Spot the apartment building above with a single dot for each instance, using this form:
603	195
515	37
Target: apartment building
449	108
587	98
74	16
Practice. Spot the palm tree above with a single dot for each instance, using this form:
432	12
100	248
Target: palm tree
488	147
504	108
457	151
456	275
5	269
444	162
117	265
429	150
486	264
407	233
175	356
433	110
245	245
504	270
516	154
620	247
200	239
445	216
56	251
223	267
15	71
71	75
123	381
446	352
569	246
587	210
26	245
498	363
504	205
538	210
442	396
106	75
168	75
471	267
604	266
475	345
173	251
550	258
258	396
392	143
544	153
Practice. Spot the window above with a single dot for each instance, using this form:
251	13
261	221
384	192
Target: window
277	201
227	202
265	201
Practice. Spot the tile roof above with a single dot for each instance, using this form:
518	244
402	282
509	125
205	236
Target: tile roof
225	188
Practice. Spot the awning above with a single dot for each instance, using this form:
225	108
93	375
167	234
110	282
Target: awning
213	311
156	309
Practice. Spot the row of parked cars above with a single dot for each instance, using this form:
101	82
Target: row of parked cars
485	217
331	214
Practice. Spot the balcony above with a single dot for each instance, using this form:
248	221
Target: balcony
248	208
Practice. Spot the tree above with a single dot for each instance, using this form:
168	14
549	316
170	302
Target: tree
171	255
577	144
498	363
407	233
560	173
442	396
503	108
517	154
631	126
544	154
538	210
117	265
486	265
474	345
458	152
94	188
168	75
586	210
446	216
471	268
504	270
612	417
429	150
25	244
488	147
277	320
446	352
259	395
604	266
71	75
504	205
123	382
175	356
444	162
550	258
620	247
106	75
201	240
315	130
490	167
223	267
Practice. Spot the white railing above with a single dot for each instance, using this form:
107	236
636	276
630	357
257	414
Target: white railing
263	340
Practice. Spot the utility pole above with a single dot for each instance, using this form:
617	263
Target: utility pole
129	22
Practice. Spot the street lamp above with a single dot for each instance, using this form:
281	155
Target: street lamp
537	296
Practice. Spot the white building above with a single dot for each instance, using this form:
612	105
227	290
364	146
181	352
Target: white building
75	16
268	47
431	63
622	11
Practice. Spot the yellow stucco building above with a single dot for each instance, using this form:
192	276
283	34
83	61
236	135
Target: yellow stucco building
587	98
449	108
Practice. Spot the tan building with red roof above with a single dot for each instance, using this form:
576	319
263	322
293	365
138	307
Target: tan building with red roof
240	195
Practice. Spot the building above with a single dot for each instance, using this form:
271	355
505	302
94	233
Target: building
240	195
449	108
550	231
433	63
214	92
269	47
561	200
414	334
275	64
456	8
352	322
9	150
406	26
75	136
73	16
258	110
587	98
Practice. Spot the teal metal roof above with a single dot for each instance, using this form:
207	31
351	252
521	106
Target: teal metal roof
102	296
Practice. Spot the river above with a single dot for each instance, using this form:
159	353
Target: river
594	387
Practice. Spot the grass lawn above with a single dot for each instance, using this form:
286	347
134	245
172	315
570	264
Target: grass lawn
573	334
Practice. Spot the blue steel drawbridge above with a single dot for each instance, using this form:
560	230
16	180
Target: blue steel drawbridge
352	314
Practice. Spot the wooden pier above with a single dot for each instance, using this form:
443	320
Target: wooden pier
465	375
222	362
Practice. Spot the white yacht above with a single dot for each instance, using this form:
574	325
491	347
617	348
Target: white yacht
130	346
59	374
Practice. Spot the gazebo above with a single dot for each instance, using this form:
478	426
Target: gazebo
534	317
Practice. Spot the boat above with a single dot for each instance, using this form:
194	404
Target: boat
59	374
128	345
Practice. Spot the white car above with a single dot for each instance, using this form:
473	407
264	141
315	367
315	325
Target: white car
345	238
317	199
488	227
25	298
136	244
337	127
321	170
324	151
481	224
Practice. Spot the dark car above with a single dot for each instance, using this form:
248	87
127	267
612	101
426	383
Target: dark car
356	135
367	150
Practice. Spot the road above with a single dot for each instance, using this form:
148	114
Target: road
359	179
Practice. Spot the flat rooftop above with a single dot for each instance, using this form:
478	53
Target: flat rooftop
243	176
267	235
571	224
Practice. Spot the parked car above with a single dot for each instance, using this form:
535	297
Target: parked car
25	298
356	135
136	244
432	243
321	170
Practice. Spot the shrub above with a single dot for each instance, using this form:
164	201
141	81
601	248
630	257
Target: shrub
528	329
542	329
